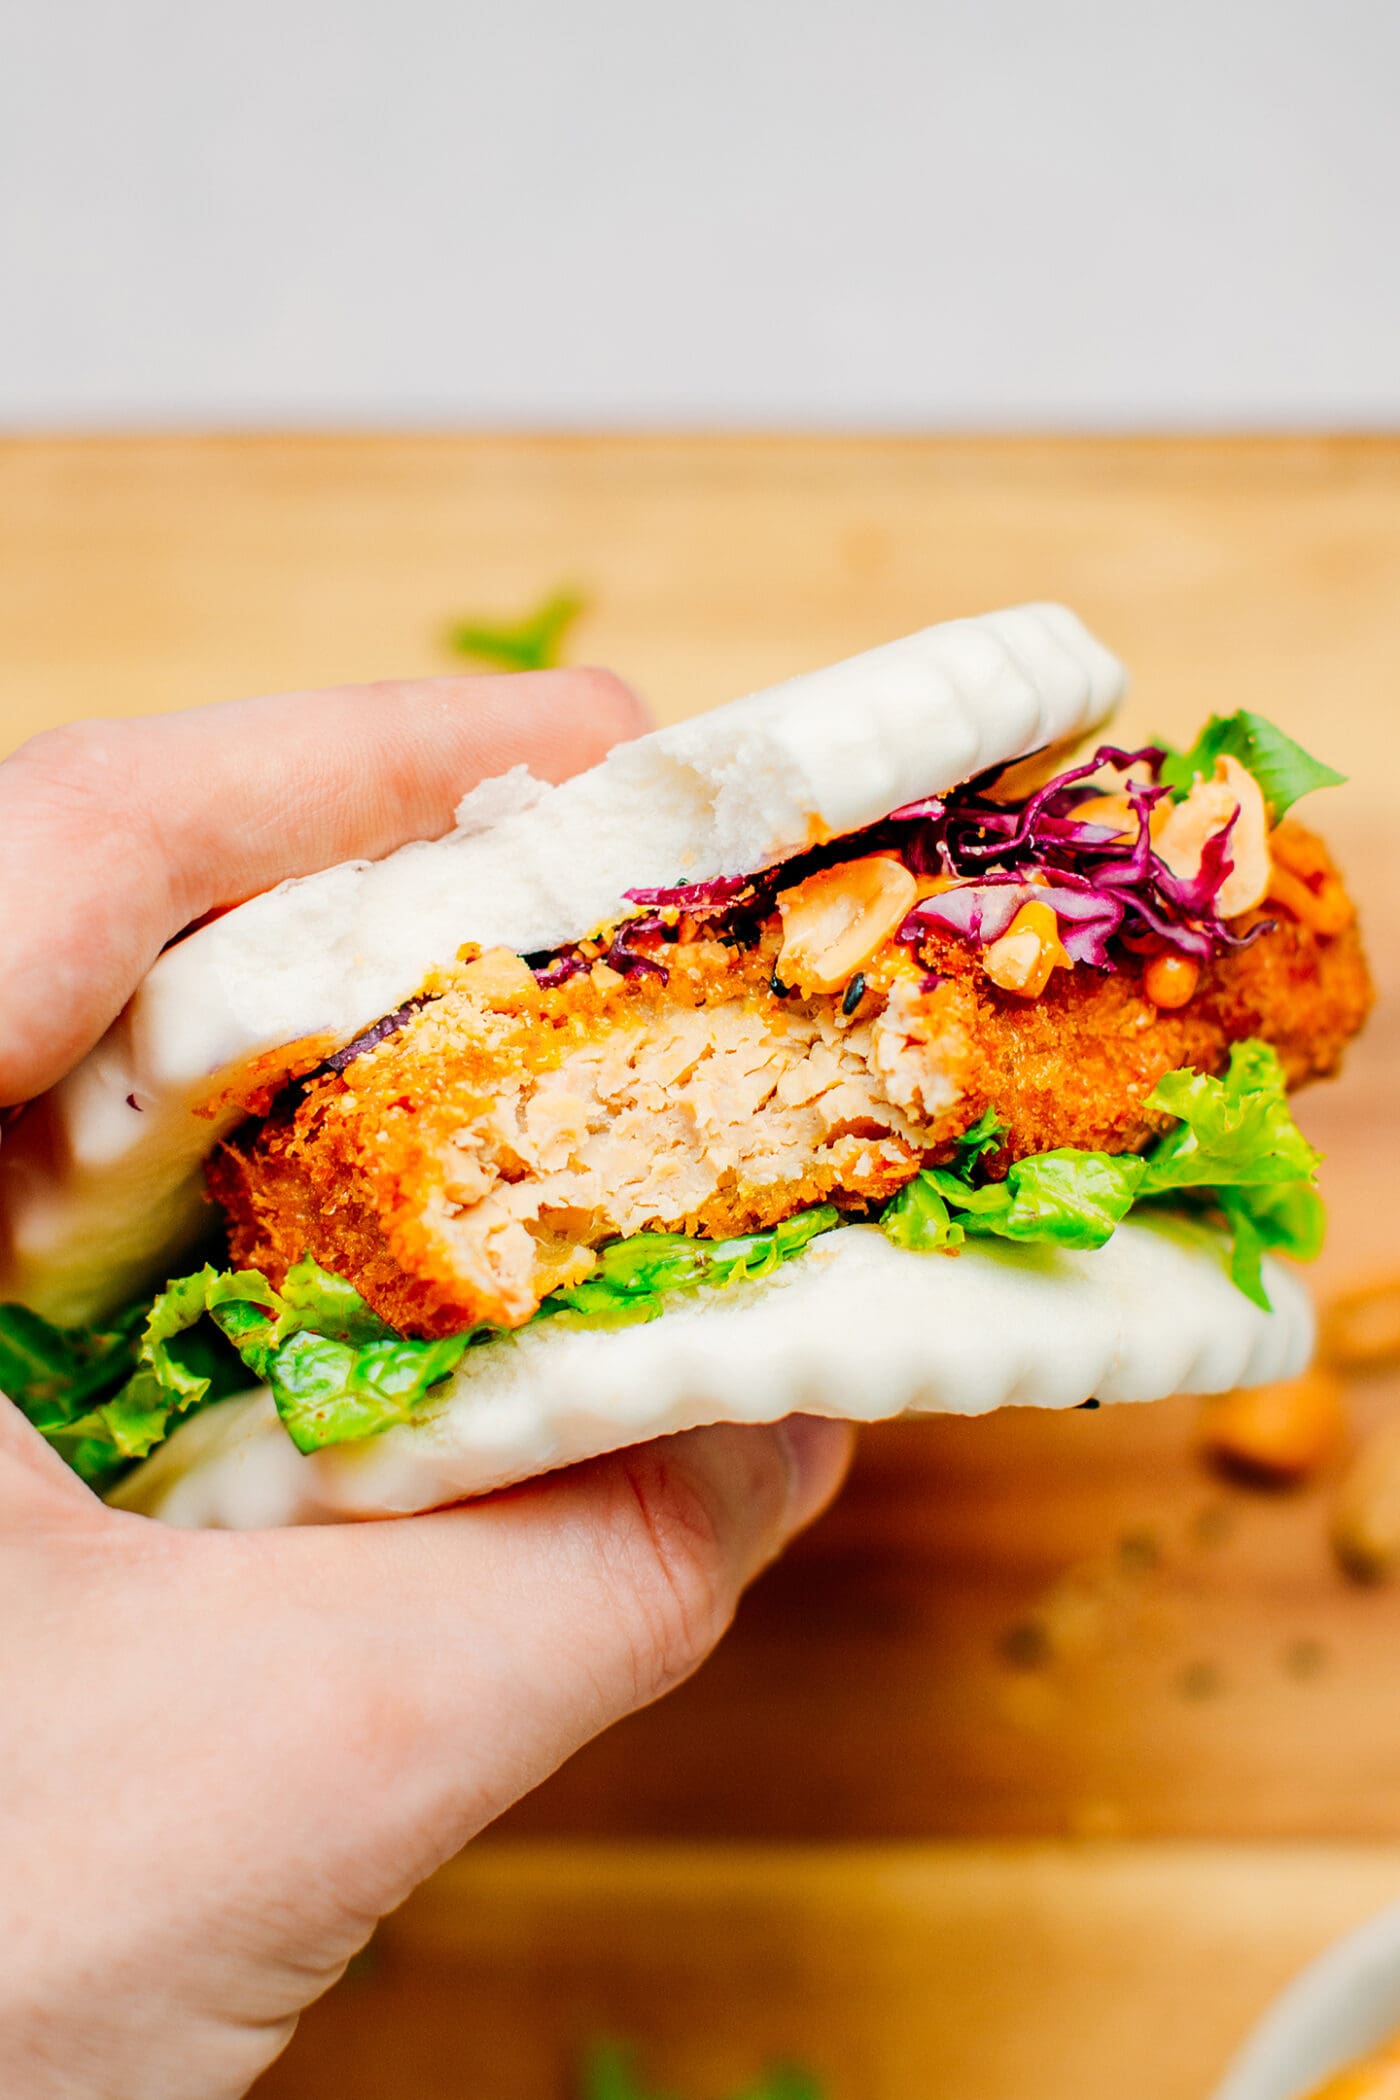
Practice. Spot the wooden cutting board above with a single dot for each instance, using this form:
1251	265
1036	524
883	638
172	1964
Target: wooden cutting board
1034	1627
949	1972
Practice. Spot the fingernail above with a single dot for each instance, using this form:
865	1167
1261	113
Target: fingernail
818	1452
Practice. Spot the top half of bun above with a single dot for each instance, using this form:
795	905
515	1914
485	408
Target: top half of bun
98	1182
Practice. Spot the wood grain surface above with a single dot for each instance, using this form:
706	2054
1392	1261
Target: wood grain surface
948	1972
1035	1626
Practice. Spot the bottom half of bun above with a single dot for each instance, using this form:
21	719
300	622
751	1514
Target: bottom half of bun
858	1329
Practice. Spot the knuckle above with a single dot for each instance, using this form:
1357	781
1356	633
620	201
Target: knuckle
679	1586
609	699
77	771
72	753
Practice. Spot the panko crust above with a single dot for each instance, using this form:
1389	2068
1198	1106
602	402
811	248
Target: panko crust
469	1163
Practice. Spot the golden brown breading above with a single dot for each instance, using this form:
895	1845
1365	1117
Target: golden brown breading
469	1163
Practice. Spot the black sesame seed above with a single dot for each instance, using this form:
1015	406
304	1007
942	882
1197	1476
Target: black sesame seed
777	987
855	992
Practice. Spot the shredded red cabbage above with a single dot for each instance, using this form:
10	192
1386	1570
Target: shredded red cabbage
694	897
371	1037
1107	891
620	955
560	968
1104	888
981	912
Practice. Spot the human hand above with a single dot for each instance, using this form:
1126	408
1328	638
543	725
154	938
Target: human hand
227	1755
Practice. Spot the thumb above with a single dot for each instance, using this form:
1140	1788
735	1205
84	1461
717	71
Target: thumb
479	1647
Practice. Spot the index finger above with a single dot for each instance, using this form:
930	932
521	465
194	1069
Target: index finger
116	835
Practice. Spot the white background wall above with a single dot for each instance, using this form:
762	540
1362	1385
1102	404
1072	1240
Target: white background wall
883	212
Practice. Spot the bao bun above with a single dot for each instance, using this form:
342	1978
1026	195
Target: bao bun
100	1183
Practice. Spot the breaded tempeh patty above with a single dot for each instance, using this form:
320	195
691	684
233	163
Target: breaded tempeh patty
466	1164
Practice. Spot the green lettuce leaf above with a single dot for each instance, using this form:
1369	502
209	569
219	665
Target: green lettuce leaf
632	1277
534	643
919	1219
1235	1131
979	1139
58	1377
609	2074
1234	1149
336	1371
1283	769
313	1297
105	1397
1289	1218
1062	1198
333	1392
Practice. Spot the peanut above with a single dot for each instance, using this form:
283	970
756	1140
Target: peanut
497	975
1184	832
1361	1328
836	920
1170	980
1279	1433
1022	960
1114	812
1366	1520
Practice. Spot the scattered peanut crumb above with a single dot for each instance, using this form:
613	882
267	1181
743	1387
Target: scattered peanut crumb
1212	1526
1361	1327
1200	1680
1366	1517
1304	1659
1280	1434
1025	1646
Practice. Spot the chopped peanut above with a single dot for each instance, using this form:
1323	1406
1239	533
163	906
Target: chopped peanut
1361	1328
1279	1433
498	974
1366	1521
1170	980
1114	812
1184	832
837	919
1022	960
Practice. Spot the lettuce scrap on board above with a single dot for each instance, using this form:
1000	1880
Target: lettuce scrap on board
609	2074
